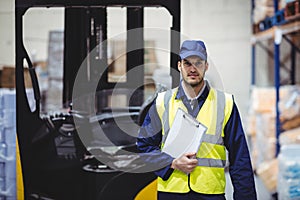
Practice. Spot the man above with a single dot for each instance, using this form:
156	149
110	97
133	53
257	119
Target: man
199	175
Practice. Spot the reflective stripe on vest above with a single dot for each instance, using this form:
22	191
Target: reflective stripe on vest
209	162
165	116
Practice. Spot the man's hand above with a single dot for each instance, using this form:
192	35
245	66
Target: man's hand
185	163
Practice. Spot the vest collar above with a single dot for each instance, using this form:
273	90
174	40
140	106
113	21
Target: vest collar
181	95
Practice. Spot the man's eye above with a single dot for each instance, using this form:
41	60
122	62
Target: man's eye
187	63
198	63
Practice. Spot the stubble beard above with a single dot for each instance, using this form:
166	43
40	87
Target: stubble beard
194	85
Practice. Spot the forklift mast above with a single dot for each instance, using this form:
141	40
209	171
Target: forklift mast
45	175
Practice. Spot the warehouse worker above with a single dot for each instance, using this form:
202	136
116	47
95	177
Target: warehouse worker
199	175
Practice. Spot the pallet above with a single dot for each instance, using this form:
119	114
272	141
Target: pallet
255	28
292	10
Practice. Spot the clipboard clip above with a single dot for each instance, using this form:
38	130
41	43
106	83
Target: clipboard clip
190	120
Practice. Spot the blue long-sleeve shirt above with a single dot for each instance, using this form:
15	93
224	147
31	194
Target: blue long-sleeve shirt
240	168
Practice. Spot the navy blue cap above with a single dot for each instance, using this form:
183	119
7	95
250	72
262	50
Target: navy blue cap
193	48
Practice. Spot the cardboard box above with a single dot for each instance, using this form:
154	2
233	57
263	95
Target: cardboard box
268	172
292	123
8	77
290	137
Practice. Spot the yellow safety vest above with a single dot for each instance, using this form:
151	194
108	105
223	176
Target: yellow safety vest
209	176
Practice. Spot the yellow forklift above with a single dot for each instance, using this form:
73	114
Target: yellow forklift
62	155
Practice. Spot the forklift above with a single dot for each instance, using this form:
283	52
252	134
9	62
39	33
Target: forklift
62	157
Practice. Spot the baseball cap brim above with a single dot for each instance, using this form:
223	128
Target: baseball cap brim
192	53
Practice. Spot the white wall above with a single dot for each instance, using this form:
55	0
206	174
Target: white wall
223	25
7	37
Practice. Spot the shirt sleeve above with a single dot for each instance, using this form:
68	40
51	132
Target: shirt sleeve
149	141
240	167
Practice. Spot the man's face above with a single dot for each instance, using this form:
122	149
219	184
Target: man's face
193	69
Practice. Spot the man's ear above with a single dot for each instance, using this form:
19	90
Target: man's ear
206	66
179	65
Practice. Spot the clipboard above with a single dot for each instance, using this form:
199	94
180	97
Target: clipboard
185	135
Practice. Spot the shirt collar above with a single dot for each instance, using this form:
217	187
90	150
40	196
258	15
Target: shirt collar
202	95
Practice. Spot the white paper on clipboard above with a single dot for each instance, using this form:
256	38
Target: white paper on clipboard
185	135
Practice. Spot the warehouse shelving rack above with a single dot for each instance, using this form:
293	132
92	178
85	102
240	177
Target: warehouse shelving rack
278	31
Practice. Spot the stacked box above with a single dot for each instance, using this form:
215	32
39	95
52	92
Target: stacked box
265	138
7	79
7	144
290	137
261	126
55	71
261	118
265	8
261	123
289	173
268	174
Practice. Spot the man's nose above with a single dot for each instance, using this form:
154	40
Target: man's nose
193	68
